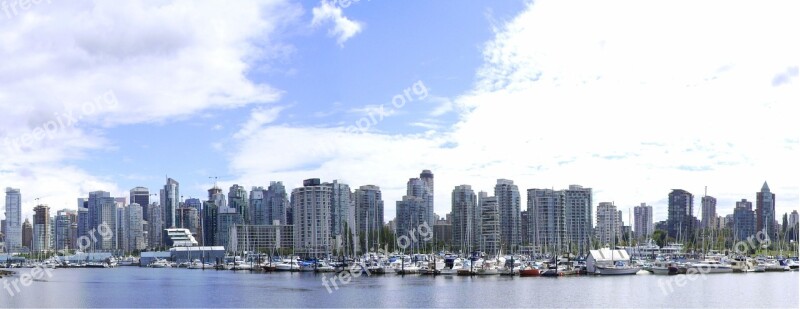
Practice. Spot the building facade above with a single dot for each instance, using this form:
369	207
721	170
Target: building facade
508	202
13	215
765	212
546	209
466	216
490	226
170	200
41	229
578	217
680	218
609	225
708	212
312	217
643	221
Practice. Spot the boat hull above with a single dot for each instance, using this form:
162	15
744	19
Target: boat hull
617	271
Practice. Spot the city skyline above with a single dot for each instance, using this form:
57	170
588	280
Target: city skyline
627	111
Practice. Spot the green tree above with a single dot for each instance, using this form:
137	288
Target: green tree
660	237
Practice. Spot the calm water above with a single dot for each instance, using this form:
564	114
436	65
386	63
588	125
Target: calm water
146	287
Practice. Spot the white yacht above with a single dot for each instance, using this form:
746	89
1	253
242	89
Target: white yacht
709	267
159	263
287	265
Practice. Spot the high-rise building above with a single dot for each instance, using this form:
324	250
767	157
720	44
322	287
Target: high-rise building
578	217
27	234
227	218
258	206
193	203
427	177
546	209
170	199
793	219
342	206
278	206
643	221
312	218
765	212
608	223
210	214
410	215
13	224
155	223
141	196
63	229
680	218
508	202
237	199
189	218
41	228
103	210
466	219
369	210
134	226
490	226
709	212
744	220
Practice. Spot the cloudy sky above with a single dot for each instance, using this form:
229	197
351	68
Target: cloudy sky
629	98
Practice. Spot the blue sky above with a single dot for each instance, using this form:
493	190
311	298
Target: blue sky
630	99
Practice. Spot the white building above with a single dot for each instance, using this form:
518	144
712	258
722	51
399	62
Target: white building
508	203
466	218
609	224
604	257
134	226
311	209
490	226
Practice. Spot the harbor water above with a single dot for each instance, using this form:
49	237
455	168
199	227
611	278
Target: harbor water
151	287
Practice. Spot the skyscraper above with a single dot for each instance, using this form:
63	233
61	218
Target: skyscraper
170	199
643	221
210	214
744	220
342	205
134	226
765	212
155	224
237	199
13	215
27	234
427	177
63	229
369	209
141	196
41	228
508	203
466	219
578	217
709	212
227	218
102	210
680	218
258	206
608	223
490	226
410	215
546	209
312	218
278	204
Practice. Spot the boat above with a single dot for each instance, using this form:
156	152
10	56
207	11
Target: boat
618	268
664	268
709	267
287	265
196	264
158	263
530	271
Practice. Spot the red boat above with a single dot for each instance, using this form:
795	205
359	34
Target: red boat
529	272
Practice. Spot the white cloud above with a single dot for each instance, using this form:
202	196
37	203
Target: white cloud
343	28
163	61
628	98
258	118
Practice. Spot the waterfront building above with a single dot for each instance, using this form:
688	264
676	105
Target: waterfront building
27	235
508	203
258	206
141	196
680	218
278	206
271	239
343	207
546	209
466	215
170	199
312	218
643	221
13	215
709	212
410	215
765	212
210	212
189	218
41	228
178	237
227	218
744	222
443	233
155	226
134	226
609	223
102	210
63	238
490	226
578	217
422	187
369	214
237	199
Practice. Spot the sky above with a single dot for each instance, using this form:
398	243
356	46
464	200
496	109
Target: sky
631	99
